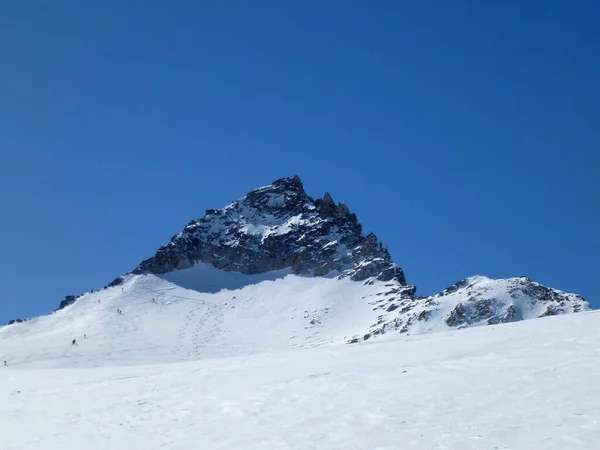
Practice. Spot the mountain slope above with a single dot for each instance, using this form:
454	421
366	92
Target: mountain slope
520	386
233	336
475	301
297	269
203	312
197	313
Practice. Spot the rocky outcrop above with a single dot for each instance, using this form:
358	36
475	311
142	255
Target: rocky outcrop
13	321
67	301
279	227
474	301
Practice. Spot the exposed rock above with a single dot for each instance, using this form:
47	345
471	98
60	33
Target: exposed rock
69	300
328	200
457	317
279	227
116	282
511	314
342	210
13	321
474	301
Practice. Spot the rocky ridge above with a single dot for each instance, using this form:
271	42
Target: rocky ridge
474	301
277	227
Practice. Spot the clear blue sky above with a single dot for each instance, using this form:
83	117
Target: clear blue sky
465	134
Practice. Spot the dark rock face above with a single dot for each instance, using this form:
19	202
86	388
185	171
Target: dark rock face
116	282
13	321
279	227
491	310
458	316
68	300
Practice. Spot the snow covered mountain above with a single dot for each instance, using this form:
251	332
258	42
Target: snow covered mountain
277	227
471	302
274	270
280	227
234	336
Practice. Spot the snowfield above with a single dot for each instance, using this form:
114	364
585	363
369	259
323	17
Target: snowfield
527	385
193	314
203	312
208	359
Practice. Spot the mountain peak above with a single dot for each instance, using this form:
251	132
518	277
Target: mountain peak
328	199
274	253
275	227
293	184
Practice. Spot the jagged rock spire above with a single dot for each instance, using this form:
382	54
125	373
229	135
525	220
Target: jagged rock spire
275	227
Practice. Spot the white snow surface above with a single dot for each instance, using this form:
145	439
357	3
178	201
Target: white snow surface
527	385
191	314
208	359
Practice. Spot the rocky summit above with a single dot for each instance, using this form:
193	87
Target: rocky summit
284	257
277	227
280	227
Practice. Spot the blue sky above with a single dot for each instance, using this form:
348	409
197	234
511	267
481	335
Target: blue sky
464	134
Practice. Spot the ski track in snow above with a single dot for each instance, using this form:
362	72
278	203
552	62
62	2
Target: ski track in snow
181	369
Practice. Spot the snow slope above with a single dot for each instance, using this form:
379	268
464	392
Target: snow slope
192	314
279	261
204	312
233	336
527	385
